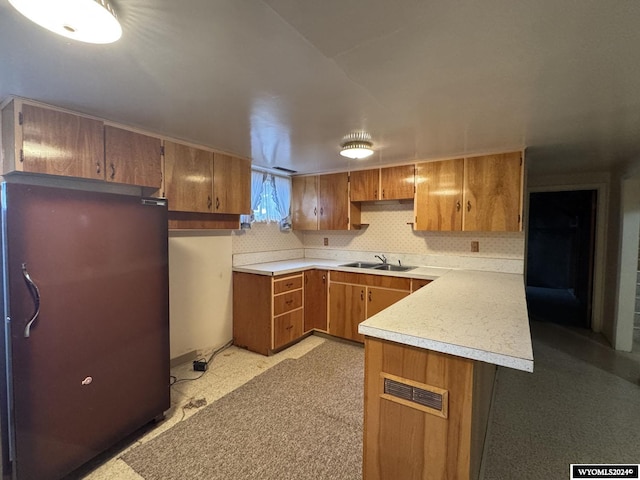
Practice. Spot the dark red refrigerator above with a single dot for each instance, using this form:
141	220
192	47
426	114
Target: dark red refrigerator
86	328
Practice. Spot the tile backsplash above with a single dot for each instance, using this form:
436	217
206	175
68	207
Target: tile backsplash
265	237
389	232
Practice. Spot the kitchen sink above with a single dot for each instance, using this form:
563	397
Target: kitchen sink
393	268
360	264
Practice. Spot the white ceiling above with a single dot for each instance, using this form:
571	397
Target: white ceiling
282	81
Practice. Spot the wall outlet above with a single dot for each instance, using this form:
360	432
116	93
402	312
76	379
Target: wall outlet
475	246
326	242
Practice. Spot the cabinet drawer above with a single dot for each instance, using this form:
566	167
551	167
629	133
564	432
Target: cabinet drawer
287	302
287	327
287	284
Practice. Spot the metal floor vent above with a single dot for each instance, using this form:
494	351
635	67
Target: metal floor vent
413	394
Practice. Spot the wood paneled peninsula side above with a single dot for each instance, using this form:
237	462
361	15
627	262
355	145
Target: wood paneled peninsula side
430	362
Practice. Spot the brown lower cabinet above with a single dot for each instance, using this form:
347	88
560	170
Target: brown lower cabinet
272	312
354	297
315	299
267	311
414	440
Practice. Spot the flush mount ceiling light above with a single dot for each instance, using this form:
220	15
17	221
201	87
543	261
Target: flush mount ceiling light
357	145
91	21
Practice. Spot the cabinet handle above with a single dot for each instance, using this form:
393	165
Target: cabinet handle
458	206
209	202
315	211
289	302
468	205
369	295
324	278
113	171
98	169
383	193
289	327
321	211
288	285
375	193
217	203
361	294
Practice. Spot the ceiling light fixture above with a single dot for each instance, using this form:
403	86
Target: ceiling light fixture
357	145
91	21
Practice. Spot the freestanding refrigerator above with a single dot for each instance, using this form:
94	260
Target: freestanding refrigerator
86	334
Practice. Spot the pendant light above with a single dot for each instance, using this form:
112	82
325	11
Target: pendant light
91	21
357	145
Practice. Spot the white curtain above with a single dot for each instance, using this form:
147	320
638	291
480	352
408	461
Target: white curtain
257	181
282	195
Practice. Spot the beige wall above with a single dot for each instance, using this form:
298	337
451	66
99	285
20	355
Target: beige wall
200	291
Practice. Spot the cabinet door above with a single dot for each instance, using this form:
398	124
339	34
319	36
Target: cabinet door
315	300
231	184
380	298
334	201
364	185
59	143
346	310
492	193
132	158
397	183
438	203
304	203
252	320
188	178
287	328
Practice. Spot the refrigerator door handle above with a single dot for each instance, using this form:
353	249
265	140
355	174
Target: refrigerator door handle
35	293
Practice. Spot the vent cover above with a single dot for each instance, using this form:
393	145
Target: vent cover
282	169
413	394
423	397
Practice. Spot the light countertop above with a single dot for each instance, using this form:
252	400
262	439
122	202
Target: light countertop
292	266
471	314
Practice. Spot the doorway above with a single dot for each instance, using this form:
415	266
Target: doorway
560	256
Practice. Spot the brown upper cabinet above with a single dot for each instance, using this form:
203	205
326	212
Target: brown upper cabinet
188	178
36	139
200	181
390	183
472	194
231	184
321	202
132	157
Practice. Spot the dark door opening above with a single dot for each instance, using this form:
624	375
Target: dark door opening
560	256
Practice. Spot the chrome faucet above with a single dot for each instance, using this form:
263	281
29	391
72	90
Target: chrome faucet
382	258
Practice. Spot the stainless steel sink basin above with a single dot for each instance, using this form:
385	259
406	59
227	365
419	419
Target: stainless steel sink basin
360	265
393	268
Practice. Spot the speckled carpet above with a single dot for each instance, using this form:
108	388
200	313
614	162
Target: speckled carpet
301	419
581	405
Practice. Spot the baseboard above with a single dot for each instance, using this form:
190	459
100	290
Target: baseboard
184	358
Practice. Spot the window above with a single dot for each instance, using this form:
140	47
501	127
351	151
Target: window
270	199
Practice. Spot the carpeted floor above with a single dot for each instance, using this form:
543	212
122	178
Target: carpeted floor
579	406
301	419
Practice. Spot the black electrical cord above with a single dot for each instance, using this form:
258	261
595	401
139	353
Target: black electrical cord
211	357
